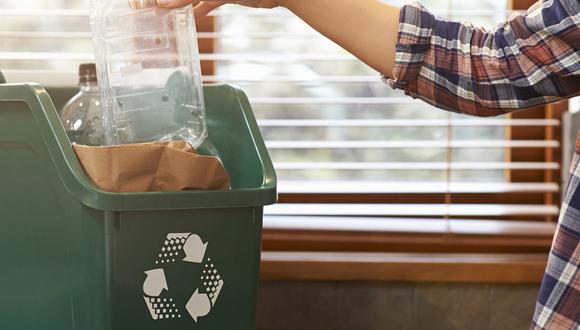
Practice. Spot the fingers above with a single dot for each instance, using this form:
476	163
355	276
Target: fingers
205	7
176	3
200	8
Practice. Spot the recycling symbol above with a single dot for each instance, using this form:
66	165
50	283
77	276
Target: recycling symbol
187	248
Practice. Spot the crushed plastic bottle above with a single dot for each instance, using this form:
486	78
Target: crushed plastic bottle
149	72
81	116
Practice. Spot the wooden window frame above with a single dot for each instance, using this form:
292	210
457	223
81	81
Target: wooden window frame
206	46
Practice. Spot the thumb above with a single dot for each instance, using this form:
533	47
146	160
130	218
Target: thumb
205	7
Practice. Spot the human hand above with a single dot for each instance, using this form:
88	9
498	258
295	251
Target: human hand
203	7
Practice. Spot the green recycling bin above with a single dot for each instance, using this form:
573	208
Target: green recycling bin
76	257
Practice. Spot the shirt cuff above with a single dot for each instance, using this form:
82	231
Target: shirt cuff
416	26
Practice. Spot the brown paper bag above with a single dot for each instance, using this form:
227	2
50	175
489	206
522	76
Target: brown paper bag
169	166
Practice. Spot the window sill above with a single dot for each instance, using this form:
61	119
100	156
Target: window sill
403	267
377	234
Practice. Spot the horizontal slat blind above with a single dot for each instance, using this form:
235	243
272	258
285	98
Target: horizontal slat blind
331	125
410	187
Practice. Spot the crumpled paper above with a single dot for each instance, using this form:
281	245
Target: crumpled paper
167	166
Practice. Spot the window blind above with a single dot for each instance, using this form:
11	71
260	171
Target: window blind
338	136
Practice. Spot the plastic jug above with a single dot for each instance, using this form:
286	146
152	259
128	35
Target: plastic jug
149	72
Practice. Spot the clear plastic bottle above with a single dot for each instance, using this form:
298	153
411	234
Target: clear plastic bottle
82	115
149	72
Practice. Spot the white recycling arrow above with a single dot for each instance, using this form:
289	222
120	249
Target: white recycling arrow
198	305
155	282
177	235
194	249
218	289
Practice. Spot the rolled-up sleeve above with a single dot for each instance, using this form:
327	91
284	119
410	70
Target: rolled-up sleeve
532	59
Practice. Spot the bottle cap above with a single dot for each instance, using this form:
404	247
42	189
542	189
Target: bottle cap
87	72
140	4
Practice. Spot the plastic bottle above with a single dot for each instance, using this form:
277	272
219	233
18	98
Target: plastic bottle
149	72
82	114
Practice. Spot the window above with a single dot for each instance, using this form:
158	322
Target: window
352	155
337	134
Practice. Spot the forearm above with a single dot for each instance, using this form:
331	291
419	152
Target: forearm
366	28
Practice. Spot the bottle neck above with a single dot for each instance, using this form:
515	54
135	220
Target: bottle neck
89	86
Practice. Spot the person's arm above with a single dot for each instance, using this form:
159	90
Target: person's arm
365	28
530	60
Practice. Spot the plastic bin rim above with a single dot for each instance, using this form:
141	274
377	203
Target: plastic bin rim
80	186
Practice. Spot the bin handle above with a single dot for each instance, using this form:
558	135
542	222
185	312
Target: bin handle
47	120
270	178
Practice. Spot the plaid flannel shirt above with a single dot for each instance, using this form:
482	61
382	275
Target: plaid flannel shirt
532	59
558	305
